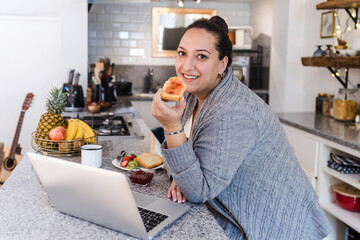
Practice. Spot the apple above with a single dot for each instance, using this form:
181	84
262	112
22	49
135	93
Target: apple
57	133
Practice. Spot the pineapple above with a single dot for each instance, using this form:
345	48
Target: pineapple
55	105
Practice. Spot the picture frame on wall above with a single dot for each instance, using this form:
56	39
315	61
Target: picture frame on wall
327	24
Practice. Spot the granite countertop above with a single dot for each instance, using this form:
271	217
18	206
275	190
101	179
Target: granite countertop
26	212
343	133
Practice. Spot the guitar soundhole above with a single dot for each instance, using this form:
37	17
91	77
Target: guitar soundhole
9	164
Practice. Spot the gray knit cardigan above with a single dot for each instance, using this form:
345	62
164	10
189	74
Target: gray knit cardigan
238	159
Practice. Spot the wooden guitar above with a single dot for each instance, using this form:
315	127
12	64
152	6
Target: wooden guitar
12	154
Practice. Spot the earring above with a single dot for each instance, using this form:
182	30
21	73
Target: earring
220	75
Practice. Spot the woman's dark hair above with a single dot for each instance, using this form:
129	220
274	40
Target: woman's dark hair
217	26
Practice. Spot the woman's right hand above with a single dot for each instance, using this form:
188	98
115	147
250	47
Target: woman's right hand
169	117
175	193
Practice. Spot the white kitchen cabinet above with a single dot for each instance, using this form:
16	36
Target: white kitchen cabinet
306	149
309	147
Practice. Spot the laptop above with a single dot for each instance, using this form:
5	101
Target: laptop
103	197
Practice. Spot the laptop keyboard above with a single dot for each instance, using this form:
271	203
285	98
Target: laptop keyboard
150	218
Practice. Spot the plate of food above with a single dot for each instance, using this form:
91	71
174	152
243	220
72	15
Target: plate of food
143	161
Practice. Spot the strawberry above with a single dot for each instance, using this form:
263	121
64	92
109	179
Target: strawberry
126	158
132	156
124	163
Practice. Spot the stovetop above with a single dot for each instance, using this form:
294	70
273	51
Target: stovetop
106	125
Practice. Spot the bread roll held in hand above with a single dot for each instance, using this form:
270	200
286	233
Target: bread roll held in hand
173	89
149	160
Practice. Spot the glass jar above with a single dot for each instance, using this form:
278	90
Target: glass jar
327	104
345	105
318	103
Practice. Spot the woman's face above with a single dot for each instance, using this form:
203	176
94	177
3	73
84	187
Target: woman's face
197	62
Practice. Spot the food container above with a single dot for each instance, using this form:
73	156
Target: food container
347	197
327	104
345	105
141	177
318	103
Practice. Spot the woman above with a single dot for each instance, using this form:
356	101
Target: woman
225	147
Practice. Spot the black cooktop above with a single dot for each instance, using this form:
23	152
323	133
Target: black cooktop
107	125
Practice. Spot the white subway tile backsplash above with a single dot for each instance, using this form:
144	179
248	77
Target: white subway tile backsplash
105	51
92	17
129	9
113	8
104	34
121	18
129	26
138	18
128	43
96	26
146	27
121	51
137	52
112	43
143	44
123	31
121	35
92	34
96	42
98	8
113	26
104	17
137	35
91	51
128	60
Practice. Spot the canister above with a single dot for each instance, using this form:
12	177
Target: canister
318	103
345	105
327	104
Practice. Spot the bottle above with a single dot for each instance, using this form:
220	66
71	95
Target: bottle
345	105
318	103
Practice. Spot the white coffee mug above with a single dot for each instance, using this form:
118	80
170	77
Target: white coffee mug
91	155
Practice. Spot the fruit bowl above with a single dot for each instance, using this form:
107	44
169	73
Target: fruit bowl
65	148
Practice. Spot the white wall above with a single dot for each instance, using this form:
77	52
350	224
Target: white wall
261	12
296	32
40	41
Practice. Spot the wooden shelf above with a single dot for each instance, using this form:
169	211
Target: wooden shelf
336	62
352	179
333	4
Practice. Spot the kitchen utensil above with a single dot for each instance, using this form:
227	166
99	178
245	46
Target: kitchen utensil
347	196
100	66
71	76
97	75
76	78
75	94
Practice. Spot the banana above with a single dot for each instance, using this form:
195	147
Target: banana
80	130
88	132
72	129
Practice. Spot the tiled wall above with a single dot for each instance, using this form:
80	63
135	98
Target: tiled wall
122	31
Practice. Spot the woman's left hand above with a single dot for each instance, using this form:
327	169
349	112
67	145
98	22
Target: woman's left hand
175	193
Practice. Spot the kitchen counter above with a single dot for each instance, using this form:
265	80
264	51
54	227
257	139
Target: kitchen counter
25	211
343	133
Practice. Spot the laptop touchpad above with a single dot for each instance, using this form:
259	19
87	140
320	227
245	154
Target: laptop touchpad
142	200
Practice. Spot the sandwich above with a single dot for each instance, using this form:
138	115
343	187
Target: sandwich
149	160
173	89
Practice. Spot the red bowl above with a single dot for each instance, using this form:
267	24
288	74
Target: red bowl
347	197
